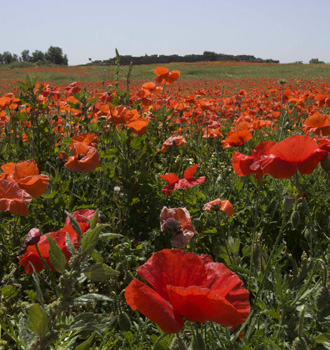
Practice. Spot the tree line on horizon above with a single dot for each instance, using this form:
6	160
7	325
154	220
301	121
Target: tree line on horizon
53	55
207	56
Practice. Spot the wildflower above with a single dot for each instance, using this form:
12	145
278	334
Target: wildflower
26	175
218	204
13	198
166	77
294	153
185	285
177	221
187	182
246	165
85	158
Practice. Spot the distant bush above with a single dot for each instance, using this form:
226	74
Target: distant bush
207	56
315	61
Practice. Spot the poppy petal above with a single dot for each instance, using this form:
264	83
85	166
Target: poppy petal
199	305
170	178
172	267
189	173
35	185
141	297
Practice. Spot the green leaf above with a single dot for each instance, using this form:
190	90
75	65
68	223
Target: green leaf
8	292
56	256
86	344
100	272
70	245
110	235
37	283
323	338
90	239
74	224
38	320
91	298
93	222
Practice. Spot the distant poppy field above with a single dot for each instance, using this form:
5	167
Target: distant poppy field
166	211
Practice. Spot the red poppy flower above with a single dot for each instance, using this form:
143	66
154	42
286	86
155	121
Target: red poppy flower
177	221
218	204
318	124
294	153
166	77
26	175
173	141
189	286
13	198
31	255
246	165
87	138
85	158
187	182
237	138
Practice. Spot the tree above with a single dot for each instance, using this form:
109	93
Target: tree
37	56
55	55
25	56
8	58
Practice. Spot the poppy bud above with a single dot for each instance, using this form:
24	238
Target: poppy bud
307	234
32	238
299	344
295	219
322	298
124	322
288	202
325	164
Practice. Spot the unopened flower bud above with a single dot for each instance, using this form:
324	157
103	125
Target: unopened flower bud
295	219
32	238
288	202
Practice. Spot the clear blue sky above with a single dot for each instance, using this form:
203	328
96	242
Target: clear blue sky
288	30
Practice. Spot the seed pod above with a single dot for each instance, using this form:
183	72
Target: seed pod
322	298
299	344
295	219
124	321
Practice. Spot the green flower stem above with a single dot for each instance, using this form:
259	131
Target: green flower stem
254	234
224	237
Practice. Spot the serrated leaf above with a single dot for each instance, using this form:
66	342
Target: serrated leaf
100	272
86	344
56	256
90	298
90	239
38	320
110	235
37	283
93	222
69	245
74	224
322	338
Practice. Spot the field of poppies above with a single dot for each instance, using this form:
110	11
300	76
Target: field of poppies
165	213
